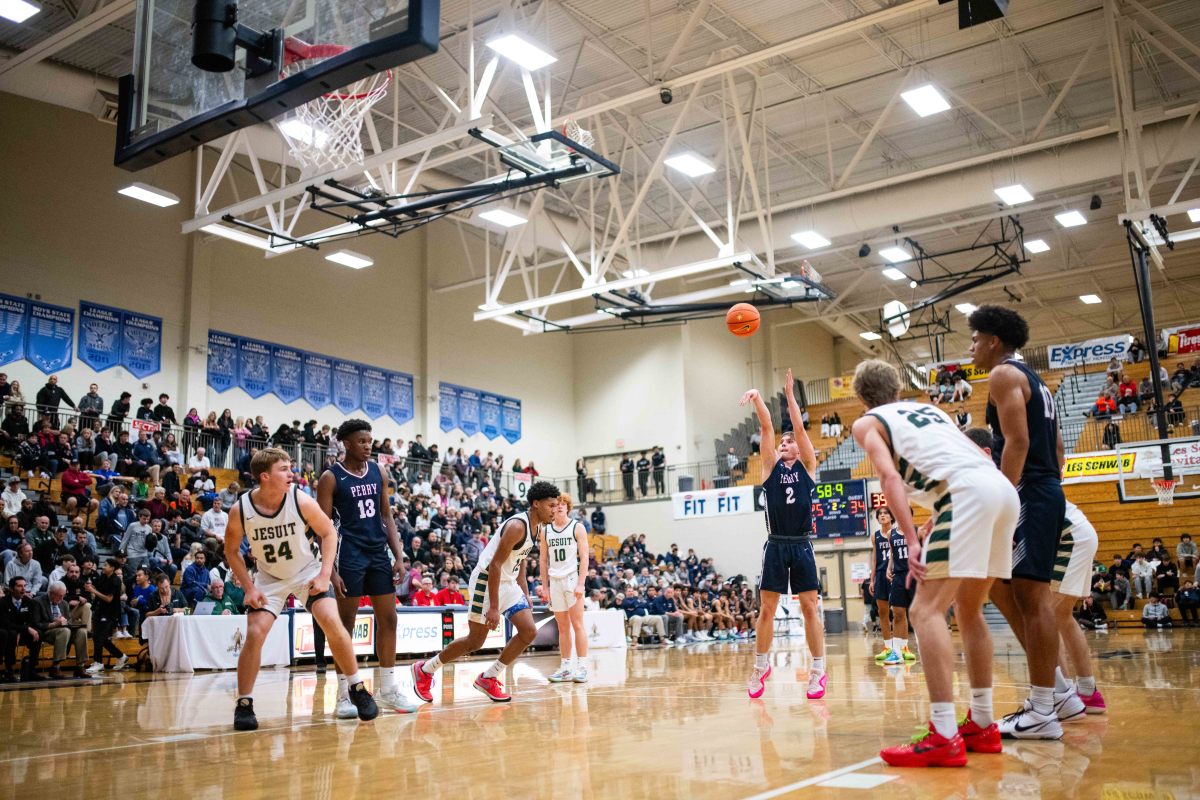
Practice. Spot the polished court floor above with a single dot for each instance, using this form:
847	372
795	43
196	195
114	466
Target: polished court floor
655	723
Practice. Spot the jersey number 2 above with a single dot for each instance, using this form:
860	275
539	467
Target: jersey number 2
366	508
273	554
791	495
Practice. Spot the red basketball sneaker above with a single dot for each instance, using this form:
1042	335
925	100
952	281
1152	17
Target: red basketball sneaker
493	688
422	682
977	739
927	749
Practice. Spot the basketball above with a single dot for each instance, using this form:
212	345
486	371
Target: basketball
742	319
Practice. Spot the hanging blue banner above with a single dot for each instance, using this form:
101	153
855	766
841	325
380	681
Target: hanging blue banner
374	392
318	380
99	336
141	344
447	406
48	340
346	382
468	411
14	319
254	367
489	414
510	419
287	373
222	361
400	397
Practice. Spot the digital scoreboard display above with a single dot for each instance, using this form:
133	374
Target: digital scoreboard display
840	508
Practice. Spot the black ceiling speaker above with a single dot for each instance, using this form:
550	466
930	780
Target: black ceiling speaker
864	251
976	12
1096	202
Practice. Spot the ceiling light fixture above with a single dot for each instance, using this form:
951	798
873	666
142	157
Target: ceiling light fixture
148	194
965	308
349	259
690	164
18	10
895	254
1194	214
894	274
1071	219
870	336
810	239
1037	246
635	273
1014	195
926	100
522	51
300	131
502	217
1090	299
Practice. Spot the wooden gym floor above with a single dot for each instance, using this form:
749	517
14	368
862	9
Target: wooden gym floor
658	723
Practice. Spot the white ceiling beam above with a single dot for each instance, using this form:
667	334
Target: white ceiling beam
76	31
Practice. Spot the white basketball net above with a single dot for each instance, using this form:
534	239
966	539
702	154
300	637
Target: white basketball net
326	134
572	131
1165	489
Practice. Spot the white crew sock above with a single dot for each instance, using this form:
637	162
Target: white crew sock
900	644
387	679
760	661
495	669
942	717
432	665
1086	686
353	680
981	707
343	688
566	663
1042	699
887	643
818	665
1061	684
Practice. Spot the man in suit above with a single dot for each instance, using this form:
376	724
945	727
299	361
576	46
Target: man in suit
59	625
16	617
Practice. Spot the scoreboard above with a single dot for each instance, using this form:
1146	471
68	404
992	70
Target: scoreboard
840	509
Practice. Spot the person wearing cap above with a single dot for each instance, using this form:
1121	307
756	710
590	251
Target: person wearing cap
75	492
12	497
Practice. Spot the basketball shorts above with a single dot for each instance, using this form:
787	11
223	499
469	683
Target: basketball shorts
1039	527
511	598
278	590
788	567
899	595
1076	550
973	524
562	592
365	574
882	585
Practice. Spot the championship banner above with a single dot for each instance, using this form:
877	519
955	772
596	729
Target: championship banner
347	382
489	415
48	339
400	397
1184	341
14	318
374	392
967	370
1093	351
254	367
287	373
468	411
713	503
141	344
318	380
840	388
99	336
222	361
447	406
510	419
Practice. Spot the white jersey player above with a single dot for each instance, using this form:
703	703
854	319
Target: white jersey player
563	548
274	519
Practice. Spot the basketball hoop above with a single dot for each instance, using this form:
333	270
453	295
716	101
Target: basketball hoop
325	134
575	133
1165	489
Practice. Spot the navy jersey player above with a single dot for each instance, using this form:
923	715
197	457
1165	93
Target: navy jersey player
899	597
881	541
1024	423
354	493
788	565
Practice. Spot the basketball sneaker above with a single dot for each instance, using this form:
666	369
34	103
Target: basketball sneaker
1094	703
977	739
396	700
816	686
581	674
882	654
927	749
422	682
758	682
493	688
1069	706
345	709
364	702
1028	724
893	659
243	715
907	654
561	675
121	662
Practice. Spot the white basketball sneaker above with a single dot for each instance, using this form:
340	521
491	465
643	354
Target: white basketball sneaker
1069	705
1028	724
345	709
561	675
393	699
581	674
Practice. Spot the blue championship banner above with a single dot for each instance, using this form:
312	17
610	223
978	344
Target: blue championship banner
287	373
14	318
222	361
99	336
374	392
489	415
510	419
141	344
254	367
400	397
318	380
468	410
49	337
447	406
346	382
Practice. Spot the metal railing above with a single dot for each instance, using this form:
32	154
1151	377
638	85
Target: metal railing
613	486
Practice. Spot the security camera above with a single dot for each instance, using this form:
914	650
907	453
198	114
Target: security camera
665	95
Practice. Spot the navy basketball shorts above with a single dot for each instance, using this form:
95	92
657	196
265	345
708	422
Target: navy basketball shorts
788	563
899	595
1035	544
365	574
882	586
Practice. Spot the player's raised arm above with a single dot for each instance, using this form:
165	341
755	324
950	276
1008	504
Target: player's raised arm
808	453
1006	393
869	434
766	429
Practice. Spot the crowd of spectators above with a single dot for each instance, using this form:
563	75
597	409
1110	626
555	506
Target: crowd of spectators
1167	580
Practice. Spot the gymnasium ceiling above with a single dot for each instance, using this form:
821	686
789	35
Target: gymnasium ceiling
814	86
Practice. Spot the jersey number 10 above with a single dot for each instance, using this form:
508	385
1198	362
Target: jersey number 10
560	554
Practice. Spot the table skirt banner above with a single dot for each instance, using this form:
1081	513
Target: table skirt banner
184	643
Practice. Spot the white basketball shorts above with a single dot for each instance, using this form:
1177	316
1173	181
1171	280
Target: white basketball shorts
562	592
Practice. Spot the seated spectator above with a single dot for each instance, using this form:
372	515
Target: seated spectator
1091	616
1186	553
1155	614
962	389
639	618
59	625
1143	576
49	552
1166	575
12	497
1158	550
12	536
17	620
223	606
214	521
165	600
198	462
84	547
962	418
1104	406
1174	411
1137	350
665	607
76	491
24	566
1180	378
156	504
195	578
424	596
1146	391
1187	600
450	596
1121	596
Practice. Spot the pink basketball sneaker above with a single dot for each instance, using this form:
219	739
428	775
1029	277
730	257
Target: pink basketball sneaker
1094	703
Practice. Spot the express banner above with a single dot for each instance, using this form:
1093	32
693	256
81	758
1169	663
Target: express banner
14	319
48	339
1093	351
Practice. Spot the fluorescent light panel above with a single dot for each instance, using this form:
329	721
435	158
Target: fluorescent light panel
301	131
524	52
870	336
1194	214
1071	219
1037	246
895	254
148	194
348	258
894	274
810	239
18	10
965	308
690	164
1089	299
1014	195
925	100
635	273
503	217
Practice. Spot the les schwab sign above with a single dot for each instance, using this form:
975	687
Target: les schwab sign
714	503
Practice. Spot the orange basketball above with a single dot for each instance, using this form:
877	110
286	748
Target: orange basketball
742	319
